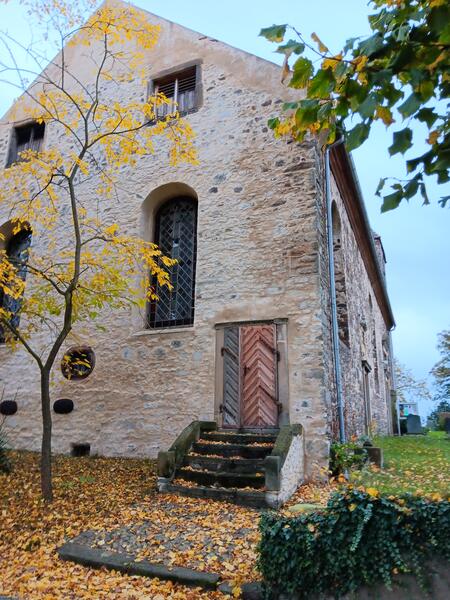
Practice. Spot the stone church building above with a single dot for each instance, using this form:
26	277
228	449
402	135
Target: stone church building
244	343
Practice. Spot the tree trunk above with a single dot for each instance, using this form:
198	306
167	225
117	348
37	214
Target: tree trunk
46	448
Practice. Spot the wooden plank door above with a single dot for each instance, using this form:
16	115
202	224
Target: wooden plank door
259	386
231	378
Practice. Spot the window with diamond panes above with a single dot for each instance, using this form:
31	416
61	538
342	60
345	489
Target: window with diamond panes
17	252
176	236
181	89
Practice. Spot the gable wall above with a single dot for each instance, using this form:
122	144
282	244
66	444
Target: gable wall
257	259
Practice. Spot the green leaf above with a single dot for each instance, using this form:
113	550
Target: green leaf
380	186
427	115
357	136
391	201
411	188
302	71
402	141
371	45
307	113
426	90
272	123
410	106
367	108
324	111
350	43
275	33
290	105
322	84
423	191
291	47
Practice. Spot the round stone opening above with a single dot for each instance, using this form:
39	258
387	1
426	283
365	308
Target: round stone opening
78	362
8	408
64	406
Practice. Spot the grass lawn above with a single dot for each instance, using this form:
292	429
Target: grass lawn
416	464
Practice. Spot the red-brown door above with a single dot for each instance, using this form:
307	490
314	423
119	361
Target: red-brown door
250	366
259	393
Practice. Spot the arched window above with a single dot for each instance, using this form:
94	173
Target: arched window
339	278
17	249
176	236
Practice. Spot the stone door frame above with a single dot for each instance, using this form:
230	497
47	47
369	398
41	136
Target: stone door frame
281	343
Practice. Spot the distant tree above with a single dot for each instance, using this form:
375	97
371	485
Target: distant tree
400	70
433	417
441	370
51	285
409	389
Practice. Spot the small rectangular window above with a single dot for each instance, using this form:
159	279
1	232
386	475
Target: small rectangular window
181	89
25	137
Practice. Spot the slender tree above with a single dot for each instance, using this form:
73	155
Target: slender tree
408	387
60	281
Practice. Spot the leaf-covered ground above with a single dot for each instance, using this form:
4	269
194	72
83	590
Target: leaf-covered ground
113	503
97	494
416	464
117	501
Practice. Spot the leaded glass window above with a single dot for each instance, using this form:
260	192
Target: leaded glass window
17	251
176	236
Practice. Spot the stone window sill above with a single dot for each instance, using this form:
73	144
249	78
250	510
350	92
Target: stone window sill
163	331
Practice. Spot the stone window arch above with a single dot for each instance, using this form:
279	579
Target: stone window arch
16	247
339	278
175	234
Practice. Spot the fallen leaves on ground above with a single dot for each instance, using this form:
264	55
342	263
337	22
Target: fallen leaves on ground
100	494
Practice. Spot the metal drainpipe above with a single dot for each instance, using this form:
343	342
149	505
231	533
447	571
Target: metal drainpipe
334	320
394	382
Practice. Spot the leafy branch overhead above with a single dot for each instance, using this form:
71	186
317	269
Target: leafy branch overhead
399	75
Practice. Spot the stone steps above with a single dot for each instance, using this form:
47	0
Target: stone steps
227	466
230	437
230	450
252	499
230	465
223	479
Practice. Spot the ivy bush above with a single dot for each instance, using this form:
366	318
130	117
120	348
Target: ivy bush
359	539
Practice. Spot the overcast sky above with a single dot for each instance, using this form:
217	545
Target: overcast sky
416	238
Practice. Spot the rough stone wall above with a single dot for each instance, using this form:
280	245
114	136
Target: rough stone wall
367	337
292	472
257	259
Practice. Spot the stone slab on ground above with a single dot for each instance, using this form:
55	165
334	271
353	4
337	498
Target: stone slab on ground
127	563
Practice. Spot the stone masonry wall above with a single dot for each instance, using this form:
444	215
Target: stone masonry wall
367	337
257	259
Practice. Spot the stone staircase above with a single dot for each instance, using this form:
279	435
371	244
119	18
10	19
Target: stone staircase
225	465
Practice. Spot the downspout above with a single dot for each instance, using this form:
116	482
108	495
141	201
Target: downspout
334	319
394	382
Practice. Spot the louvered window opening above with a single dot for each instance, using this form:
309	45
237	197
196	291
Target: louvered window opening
181	89
26	137
176	236
17	252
